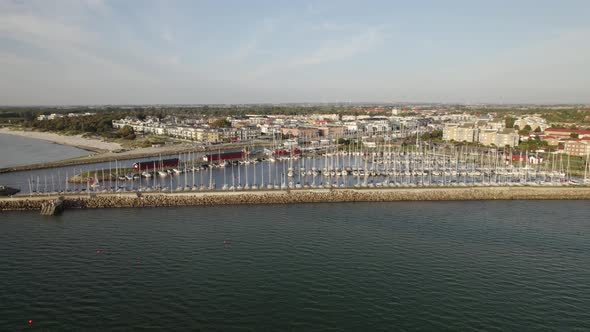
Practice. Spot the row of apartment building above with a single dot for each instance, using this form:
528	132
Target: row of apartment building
52	116
200	134
481	131
250	127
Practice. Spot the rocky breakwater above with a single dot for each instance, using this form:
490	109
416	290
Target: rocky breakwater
22	203
129	200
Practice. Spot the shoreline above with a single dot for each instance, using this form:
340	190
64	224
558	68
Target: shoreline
105	156
94	159
295	196
77	141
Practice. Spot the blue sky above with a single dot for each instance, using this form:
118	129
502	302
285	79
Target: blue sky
142	51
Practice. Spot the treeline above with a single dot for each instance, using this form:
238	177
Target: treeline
238	110
580	116
535	144
99	124
205	110
435	135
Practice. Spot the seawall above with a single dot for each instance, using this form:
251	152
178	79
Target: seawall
127	200
171	151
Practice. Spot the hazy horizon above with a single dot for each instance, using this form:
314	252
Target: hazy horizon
102	52
367	103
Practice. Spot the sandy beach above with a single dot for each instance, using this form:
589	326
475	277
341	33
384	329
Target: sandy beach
77	140
107	151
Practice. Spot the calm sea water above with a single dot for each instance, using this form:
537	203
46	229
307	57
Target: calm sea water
512	265
17	151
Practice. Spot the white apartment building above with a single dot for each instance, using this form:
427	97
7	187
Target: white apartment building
533	121
482	131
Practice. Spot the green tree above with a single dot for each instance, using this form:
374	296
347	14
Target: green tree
126	133
526	130
509	121
221	123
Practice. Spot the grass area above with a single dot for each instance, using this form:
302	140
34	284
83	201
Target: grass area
102	175
577	164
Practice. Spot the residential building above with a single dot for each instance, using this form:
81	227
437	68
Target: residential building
488	136
307	132
466	132
506	137
332	131
533	121
482	131
577	147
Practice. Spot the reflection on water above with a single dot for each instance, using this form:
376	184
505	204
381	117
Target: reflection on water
17	151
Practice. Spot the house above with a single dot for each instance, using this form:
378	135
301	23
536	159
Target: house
308	132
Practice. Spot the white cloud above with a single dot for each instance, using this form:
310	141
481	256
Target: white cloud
35	29
331	51
243	52
167	35
98	5
171	60
78	51
335	51
265	28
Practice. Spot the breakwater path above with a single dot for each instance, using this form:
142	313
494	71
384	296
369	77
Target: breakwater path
130	199
103	156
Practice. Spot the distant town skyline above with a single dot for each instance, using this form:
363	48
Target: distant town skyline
97	52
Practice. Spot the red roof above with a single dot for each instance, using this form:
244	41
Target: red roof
558	129
563	130
578	139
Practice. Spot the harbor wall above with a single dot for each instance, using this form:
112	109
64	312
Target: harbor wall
133	200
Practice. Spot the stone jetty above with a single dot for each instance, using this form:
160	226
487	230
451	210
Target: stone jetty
52	207
129	200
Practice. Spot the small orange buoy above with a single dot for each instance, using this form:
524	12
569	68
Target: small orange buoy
30	322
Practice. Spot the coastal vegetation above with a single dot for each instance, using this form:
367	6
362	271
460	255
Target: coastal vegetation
435	135
102	175
97	124
567	116
220	123
535	144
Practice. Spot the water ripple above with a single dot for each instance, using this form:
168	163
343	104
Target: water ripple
364	266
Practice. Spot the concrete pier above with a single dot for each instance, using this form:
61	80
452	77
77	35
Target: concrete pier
132	199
